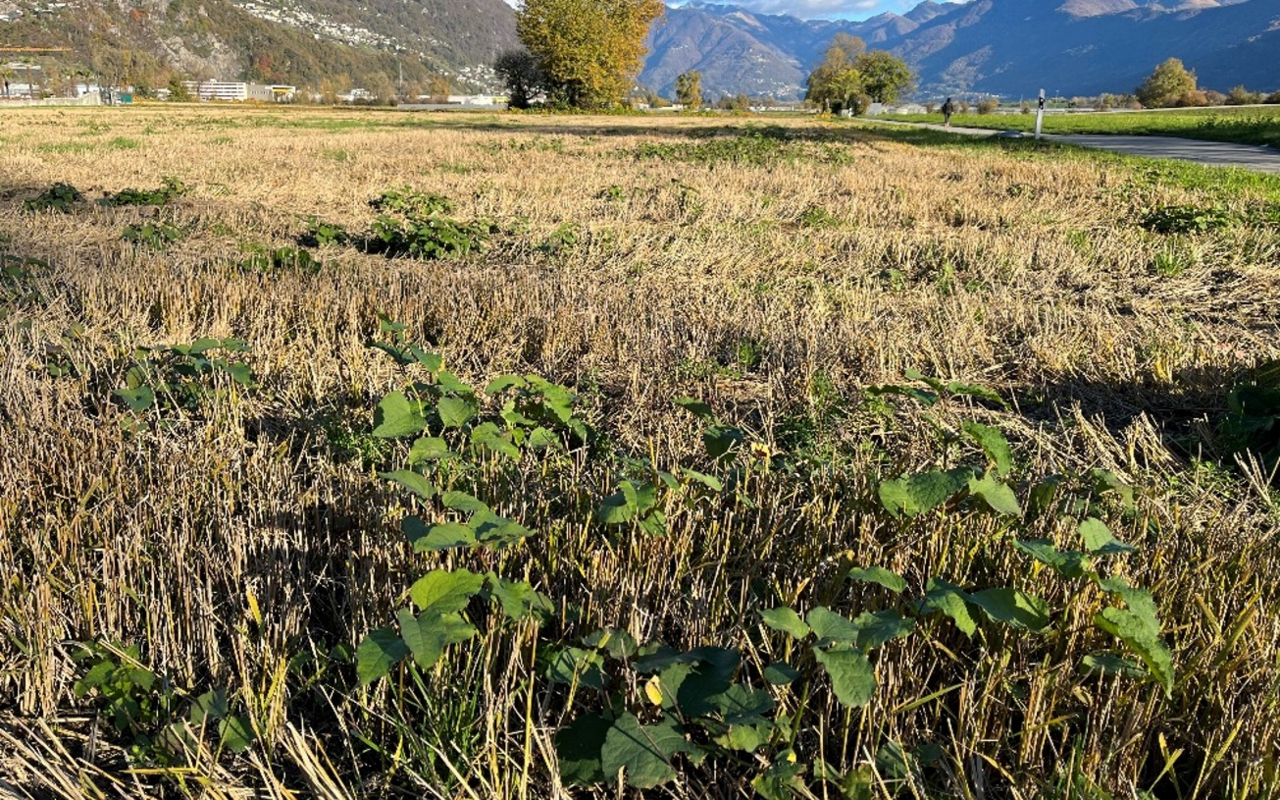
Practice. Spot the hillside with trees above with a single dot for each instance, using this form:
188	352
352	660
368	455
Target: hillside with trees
319	44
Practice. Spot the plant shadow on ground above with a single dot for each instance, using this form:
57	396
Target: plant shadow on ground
1192	414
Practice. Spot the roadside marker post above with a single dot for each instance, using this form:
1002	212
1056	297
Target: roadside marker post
1040	115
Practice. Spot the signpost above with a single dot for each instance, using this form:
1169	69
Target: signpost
1040	115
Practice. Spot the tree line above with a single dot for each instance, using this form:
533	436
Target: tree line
587	54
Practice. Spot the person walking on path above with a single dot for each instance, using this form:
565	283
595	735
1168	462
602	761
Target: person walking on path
948	108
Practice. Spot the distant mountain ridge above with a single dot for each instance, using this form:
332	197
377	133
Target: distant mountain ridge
1006	47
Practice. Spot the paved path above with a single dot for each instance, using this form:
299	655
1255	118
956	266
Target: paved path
1256	158
1253	157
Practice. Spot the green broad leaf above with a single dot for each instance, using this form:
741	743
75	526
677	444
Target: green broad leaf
429	448
852	677
642	753
654	523
1067	563
444	591
1139	601
519	600
616	642
455	412
878	627
629	502
996	495
742	705
976	391
461	501
450	383
951	600
541	439
493	530
237	733
746	738
1112	664
1044	494
919	395
578	748
381	650
829	626
1099	541
786	620
138	399
616	509
555	398
698	676
781	781
1106	481
721	441
396	417
655	657
490	437
641	495
711	482
1137	631
411	481
431	539
780	673
388	325
916	494
1013	607
576	664
428	634
208	707
993	443
932	382
504	382
696	407
879	575
240	373
99	675
514	418
432	361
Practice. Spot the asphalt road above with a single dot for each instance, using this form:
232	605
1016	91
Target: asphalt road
1256	158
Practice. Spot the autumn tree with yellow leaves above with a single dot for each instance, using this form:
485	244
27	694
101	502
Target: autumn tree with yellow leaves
590	51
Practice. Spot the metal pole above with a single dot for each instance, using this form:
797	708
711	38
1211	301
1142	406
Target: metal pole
1040	115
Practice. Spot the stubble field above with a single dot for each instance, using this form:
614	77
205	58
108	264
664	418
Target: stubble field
831	462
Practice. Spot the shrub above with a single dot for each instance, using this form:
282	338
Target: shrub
180	378
281	259
1240	96
1187	219
152	235
170	189
1193	99
60	197
415	226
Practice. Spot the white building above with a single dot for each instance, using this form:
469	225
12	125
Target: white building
239	92
217	90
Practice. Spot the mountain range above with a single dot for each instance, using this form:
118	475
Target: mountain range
1004	47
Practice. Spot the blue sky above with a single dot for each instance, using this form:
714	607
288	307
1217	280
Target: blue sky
817	9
